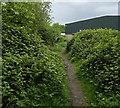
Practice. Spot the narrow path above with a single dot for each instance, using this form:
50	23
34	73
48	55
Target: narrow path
75	89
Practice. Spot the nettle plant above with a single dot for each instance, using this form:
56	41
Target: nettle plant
32	74
99	52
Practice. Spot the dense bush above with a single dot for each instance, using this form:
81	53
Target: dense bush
32	74
61	39
33	80
56	33
99	52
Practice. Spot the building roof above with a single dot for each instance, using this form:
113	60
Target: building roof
93	18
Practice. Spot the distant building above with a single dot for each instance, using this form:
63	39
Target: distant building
108	21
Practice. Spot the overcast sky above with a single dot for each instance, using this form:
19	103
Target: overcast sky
66	12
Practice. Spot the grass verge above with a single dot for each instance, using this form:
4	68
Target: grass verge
57	48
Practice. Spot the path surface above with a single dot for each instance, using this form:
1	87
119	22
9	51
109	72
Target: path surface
69	36
75	89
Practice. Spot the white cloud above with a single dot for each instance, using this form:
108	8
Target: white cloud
85	1
108	9
65	12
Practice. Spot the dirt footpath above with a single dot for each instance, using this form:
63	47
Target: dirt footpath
77	97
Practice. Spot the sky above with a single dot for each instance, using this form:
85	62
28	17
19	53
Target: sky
67	11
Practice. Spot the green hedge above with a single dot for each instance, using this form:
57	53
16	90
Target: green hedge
33	80
32	74
98	50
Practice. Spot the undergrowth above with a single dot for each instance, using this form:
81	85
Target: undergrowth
32	74
98	54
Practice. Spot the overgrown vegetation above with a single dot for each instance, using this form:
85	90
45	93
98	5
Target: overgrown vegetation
33	75
97	52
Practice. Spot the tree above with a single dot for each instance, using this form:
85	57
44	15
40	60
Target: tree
62	28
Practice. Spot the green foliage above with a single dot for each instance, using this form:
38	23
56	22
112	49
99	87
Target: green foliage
33	76
61	38
58	27
58	47
56	33
33	80
99	51
62	28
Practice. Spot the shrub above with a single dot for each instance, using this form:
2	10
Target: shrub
32	74
99	51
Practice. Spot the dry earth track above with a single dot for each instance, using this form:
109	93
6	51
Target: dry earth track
77	96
